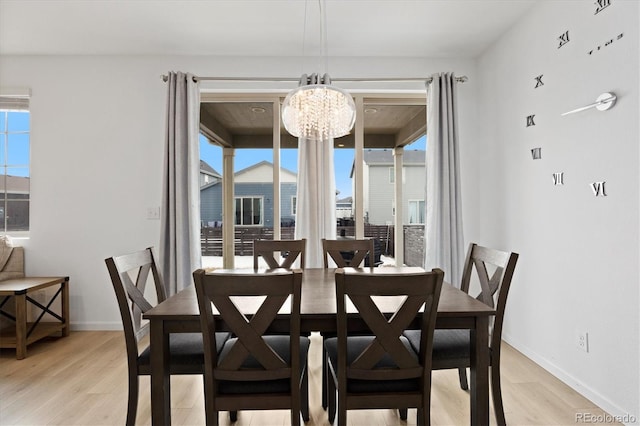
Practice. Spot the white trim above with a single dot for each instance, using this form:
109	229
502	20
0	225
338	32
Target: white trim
96	326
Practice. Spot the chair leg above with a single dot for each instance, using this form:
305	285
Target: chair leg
496	391
132	405
462	372
304	394
403	413
342	409
324	390
233	416
331	396
210	410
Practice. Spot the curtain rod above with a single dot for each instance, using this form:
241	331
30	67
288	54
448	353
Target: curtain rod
427	80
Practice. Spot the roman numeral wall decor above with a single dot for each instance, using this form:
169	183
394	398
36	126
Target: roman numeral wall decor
598	189
601	5
564	39
539	81
530	121
536	153
558	178
606	43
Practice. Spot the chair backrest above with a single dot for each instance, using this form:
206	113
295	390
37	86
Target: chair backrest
124	270
224	289
421	290
335	249
495	288
267	249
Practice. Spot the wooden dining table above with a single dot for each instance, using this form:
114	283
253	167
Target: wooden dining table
456	309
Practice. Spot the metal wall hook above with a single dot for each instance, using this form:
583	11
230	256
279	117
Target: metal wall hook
604	102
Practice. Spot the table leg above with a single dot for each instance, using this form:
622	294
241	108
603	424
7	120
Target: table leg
480	372
21	325
160	377
65	307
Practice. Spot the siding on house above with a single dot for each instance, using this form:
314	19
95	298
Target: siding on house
254	181
379	189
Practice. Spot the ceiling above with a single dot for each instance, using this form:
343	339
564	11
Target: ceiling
387	123
389	28
265	28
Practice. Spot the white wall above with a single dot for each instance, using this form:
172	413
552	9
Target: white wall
97	154
578	269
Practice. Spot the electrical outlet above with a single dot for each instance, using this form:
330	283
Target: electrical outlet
582	341
153	213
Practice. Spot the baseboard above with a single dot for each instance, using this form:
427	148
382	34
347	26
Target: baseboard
96	326
619	413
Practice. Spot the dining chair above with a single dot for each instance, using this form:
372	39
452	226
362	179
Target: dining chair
186	349
452	348
254	370
358	252
382	369
266	249
346	252
294	249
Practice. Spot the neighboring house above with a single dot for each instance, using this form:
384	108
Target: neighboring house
208	174
17	193
253	193
344	208
379	176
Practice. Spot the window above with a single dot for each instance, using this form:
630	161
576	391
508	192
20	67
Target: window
294	205
416	211
248	210
14	165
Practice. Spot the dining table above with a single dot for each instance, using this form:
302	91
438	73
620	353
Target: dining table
456	310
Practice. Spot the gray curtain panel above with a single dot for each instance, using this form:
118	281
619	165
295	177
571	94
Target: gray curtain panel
443	229
316	198
179	250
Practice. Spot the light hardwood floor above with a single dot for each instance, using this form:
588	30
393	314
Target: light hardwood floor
82	380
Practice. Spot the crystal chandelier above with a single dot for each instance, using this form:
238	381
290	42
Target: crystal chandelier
317	110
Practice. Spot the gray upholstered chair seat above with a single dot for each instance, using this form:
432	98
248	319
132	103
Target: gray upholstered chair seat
280	344
355	346
447	344
186	352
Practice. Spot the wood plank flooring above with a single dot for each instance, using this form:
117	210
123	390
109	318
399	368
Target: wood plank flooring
82	380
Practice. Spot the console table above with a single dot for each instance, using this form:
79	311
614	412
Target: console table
26	332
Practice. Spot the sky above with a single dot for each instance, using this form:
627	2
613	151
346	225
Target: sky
343	159
14	143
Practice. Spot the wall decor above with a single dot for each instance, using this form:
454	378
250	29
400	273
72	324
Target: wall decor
539	81
606	44
564	38
598	189
601	5
558	178
536	153
530	121
603	102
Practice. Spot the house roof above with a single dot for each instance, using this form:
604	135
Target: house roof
260	164
248	170
15	184
207	169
